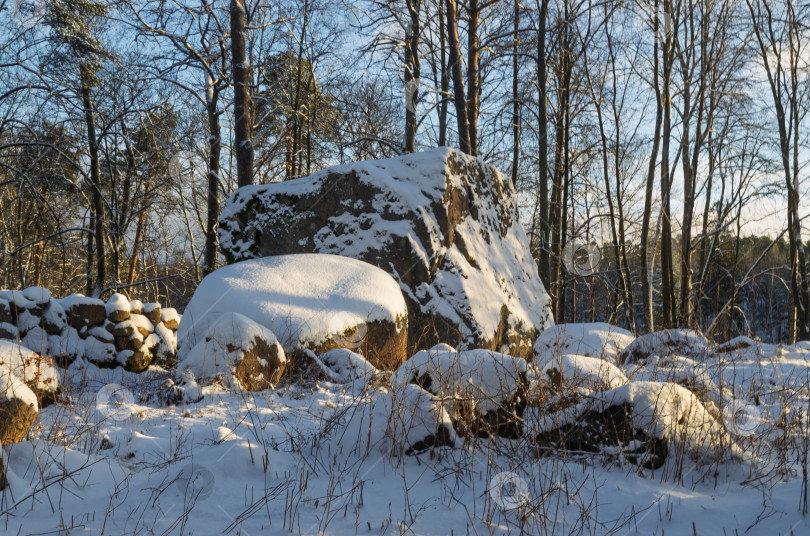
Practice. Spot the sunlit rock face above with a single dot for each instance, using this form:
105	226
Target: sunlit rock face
442	223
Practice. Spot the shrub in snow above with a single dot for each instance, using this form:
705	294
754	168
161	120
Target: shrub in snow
405	419
485	391
18	408
319	302
443	224
118	308
237	348
583	373
596	339
644	422
684	342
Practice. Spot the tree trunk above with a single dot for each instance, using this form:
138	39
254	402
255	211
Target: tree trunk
445	81
458	78
39	251
558	188
646	276
214	149
542	142
243	145
515	97
412	74
296	109
95	179
472	75
667	282
136	244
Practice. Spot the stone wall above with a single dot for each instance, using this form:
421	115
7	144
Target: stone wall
115	333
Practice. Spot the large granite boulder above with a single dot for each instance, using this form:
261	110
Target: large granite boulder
443	224
310	302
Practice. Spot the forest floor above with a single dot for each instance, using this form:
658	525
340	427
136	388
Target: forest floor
113	458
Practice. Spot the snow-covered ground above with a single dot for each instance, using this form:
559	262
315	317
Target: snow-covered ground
118	460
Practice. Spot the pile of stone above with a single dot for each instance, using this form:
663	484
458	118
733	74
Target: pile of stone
119	332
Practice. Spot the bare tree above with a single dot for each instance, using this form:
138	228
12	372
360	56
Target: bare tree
781	38
240	69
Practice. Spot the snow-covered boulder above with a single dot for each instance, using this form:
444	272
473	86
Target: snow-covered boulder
403	420
118	308
54	320
18	408
347	365
443	224
152	312
136	307
165	353
582	372
318	302
24	313
27	365
134	358
6	311
737	343
9	331
683	342
642	422
237	348
100	351
38	295
66	347
595	339
141	323
82	311
170	318
485	390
